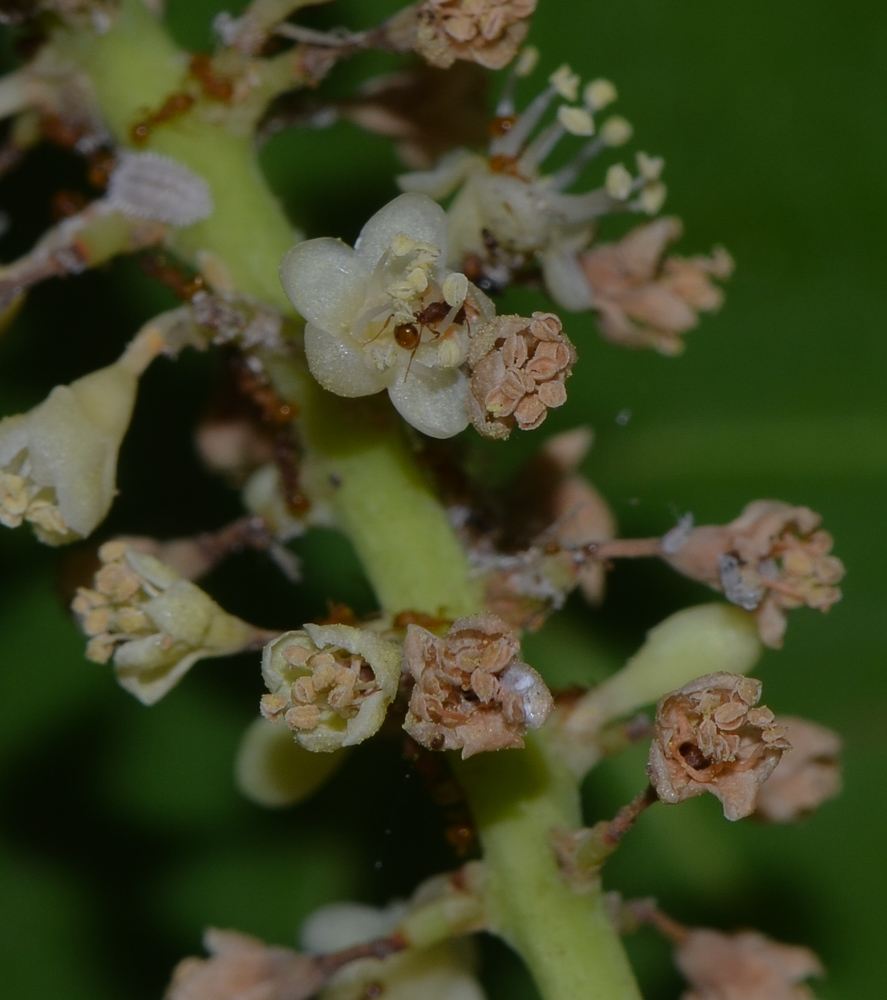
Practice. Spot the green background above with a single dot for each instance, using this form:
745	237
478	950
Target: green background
121	835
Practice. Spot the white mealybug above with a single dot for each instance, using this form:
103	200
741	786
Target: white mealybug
153	186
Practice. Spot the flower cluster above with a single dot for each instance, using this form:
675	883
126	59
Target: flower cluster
710	737
152	623
772	558
471	692
331	684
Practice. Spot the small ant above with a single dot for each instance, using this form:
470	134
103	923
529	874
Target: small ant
409	335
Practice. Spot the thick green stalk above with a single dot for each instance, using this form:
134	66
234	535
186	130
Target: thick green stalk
411	554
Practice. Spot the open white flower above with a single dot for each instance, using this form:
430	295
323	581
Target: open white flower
58	462
389	315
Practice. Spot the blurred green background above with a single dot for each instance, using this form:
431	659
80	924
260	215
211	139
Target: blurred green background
121	835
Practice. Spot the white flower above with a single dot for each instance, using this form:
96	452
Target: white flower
58	462
152	623
389	315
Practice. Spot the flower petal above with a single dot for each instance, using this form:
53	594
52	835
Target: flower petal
326	281
433	400
340	365
416	215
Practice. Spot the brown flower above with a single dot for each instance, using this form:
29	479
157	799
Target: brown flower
471	692
804	778
772	558
243	968
488	32
518	371
709	737
744	966
644	299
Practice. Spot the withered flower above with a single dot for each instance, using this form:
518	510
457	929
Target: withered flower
488	32
710	737
471	691
772	558
645	299
518	371
744	966
241	967
804	778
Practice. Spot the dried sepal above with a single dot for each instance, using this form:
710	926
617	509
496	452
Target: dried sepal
154	625
240	967
709	736
330	684
771	559
645	299
519	367
804	778
743	966
471	692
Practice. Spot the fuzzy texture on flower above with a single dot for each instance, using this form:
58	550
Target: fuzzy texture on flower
241	967
804	778
710	737
488	32
772	558
331	684
645	299
388	314
744	966
519	367
471	692
58	462
152	623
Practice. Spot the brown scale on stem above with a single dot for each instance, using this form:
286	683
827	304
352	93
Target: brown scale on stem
173	107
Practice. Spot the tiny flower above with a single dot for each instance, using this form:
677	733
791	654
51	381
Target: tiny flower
331	684
488	32
804	778
518	371
771	559
644	299
508	216
153	624
241	967
743	966
58	462
389	315
471	692
710	737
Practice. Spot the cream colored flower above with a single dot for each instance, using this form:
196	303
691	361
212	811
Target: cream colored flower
518	371
331	684
153	624
58	462
772	558
645	299
744	966
471	691
389	315
710	737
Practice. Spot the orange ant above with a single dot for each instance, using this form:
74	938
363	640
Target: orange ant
409	335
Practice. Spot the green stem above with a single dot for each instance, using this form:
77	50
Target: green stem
358	457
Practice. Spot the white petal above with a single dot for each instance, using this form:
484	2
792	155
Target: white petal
416	215
565	279
340	365
433	400
443	178
326	281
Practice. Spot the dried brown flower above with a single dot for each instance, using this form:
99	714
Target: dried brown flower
243	968
744	966
471	691
771	559
709	737
644	299
804	778
488	32
518	371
